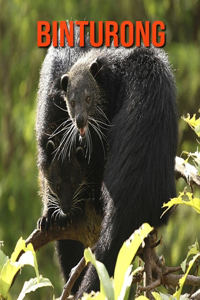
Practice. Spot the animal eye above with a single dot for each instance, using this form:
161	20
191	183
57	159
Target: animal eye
72	103
87	99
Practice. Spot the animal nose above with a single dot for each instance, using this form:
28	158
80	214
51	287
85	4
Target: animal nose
66	208
80	121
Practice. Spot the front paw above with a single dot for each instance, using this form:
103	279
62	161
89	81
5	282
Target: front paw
43	223
51	218
46	221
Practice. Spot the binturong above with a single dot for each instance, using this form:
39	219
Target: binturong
86	104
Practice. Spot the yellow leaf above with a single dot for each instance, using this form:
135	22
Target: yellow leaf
182	280
126	255
193	123
193	202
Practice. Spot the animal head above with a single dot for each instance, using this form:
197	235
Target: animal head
66	180
86	103
82	93
63	181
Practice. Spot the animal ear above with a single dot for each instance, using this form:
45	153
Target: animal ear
94	67
64	82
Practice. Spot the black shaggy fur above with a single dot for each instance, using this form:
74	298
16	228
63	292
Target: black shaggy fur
139	173
61	175
64	189
135	91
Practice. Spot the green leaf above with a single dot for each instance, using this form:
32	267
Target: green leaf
125	290
10	269
12	266
194	249
3	260
197	130
106	287
32	285
196	158
193	202
182	280
126	255
21	247
160	296
7	274
93	295
157	296
193	123
35	264
141	298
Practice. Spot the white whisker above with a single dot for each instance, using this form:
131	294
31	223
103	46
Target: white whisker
66	142
102	113
99	129
100	135
57	131
65	110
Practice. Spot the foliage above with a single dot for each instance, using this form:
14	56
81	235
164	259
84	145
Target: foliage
196	159
193	250
186	199
177	295
194	123
9	267
118	288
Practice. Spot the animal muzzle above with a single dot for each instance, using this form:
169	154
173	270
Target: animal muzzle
66	208
81	123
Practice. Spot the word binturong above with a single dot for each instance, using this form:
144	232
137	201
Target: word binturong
126	34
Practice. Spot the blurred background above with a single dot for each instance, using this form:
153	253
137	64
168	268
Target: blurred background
20	62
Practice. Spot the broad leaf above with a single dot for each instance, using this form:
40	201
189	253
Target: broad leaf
126	255
160	296
3	260
194	249
182	280
8	272
193	202
106	286
194	123
32	285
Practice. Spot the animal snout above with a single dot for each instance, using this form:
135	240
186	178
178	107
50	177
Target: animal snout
66	208
80	121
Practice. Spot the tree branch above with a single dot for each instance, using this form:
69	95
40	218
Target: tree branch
70	283
86	229
186	171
